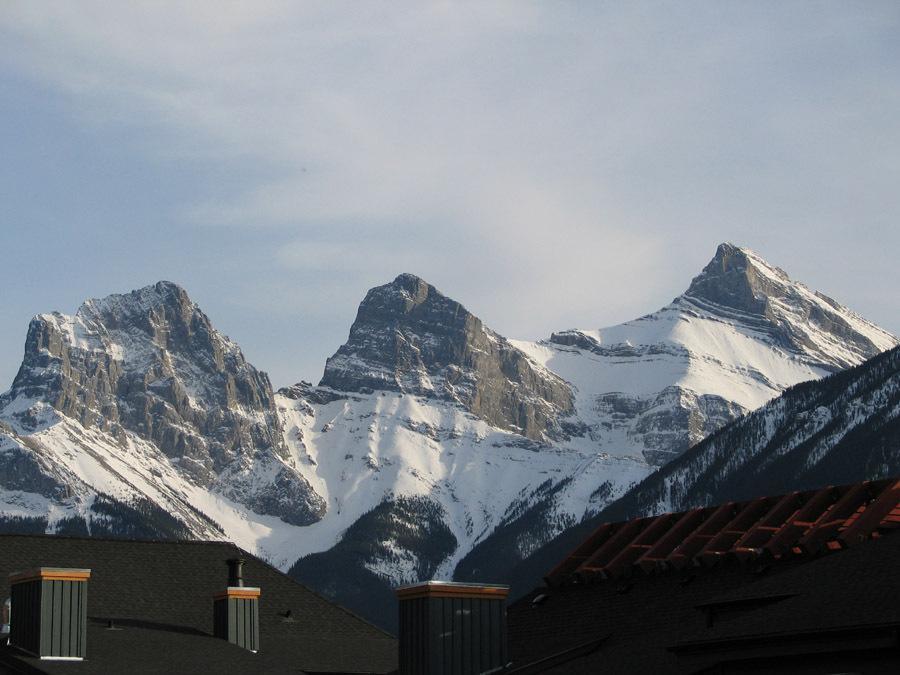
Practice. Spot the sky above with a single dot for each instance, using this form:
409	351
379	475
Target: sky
550	165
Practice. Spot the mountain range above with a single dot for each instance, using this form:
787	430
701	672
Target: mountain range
845	427
433	447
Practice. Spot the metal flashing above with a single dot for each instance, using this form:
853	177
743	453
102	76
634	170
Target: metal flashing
50	574
451	589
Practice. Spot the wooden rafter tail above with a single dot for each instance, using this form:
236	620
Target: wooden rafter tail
771	521
871	518
792	524
628	531
829	523
747	515
642	543
688	522
574	560
695	541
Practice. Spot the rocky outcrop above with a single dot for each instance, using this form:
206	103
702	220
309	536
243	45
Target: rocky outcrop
801	320
409	337
668	423
150	363
25	471
843	428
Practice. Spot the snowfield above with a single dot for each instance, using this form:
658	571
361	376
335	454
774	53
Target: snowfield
643	392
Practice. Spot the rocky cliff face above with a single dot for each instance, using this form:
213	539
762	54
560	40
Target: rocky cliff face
447	447
741	333
408	337
806	322
656	387
844	428
841	429
151	364
667	423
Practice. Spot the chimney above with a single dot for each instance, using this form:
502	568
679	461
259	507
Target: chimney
48	613
452	628
236	610
235	572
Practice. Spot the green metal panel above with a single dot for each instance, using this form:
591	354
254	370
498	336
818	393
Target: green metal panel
237	633
49	617
243	623
63	618
254	625
452	636
46	604
237	620
25	626
82	612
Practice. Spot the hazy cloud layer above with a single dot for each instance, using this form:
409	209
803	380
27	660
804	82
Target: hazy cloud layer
548	164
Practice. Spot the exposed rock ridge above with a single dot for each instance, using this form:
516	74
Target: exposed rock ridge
843	428
739	286
150	363
806	322
409	337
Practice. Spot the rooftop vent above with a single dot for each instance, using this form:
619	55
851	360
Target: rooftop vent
48	612
448	627
235	571
236	610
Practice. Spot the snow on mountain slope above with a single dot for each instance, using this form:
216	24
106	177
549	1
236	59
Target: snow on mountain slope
410	337
59	471
842	429
358	450
740	335
427	424
139	399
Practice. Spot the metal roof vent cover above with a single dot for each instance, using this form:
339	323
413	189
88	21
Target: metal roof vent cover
236	610
448	627
48	612
4	617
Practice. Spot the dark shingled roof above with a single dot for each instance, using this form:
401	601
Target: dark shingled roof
816	609
833	517
160	594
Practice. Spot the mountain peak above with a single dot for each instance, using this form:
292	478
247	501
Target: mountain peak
409	281
739	278
411	289
409	337
731	256
738	282
150	363
139	301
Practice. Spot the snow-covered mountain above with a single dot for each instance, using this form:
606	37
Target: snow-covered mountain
643	392
431	444
138	399
842	429
410	338
740	334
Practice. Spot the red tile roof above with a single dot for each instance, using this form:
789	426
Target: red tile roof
795	523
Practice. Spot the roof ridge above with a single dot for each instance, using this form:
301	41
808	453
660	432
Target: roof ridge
219	542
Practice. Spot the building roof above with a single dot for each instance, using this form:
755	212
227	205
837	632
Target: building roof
160	598
834	517
767	585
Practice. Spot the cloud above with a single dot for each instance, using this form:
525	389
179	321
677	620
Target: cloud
578	161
